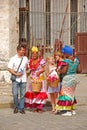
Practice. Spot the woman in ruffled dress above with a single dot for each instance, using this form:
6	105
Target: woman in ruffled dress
36	66
66	99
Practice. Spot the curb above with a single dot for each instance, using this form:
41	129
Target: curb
6	105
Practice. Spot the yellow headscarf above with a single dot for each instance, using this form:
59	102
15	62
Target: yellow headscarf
34	49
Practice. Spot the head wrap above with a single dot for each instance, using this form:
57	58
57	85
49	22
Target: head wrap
67	50
34	49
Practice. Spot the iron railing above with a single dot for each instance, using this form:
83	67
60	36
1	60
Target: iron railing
43	28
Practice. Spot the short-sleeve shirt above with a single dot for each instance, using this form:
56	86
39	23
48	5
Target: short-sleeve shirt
14	63
72	65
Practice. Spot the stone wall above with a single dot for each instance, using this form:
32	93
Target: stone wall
9	33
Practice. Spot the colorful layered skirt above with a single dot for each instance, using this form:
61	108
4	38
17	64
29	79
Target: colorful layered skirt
66	99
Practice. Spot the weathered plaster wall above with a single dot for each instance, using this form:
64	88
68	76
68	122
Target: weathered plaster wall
9	33
13	26
4	33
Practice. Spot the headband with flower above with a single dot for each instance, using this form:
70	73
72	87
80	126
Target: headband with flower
34	49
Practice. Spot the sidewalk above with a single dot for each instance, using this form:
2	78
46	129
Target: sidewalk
81	90
6	99
46	120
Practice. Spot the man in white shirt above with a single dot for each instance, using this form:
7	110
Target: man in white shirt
17	67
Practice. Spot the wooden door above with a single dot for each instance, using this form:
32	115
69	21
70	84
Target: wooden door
81	48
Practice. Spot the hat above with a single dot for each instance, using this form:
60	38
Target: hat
34	49
67	50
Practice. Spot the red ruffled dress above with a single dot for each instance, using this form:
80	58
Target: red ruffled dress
36	99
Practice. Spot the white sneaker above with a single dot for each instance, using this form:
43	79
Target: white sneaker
73	112
67	114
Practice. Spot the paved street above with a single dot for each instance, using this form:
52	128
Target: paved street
43	121
46	120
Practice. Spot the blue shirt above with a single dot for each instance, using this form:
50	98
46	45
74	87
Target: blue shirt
72	65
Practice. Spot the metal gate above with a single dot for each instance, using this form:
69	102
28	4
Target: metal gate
41	24
41	33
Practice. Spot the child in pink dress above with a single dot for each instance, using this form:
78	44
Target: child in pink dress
51	74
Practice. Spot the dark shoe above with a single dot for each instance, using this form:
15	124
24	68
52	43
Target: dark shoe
16	110
22	111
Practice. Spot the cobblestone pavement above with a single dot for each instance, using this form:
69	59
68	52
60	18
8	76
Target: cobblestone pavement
45	120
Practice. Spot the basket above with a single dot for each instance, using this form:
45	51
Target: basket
54	83
36	86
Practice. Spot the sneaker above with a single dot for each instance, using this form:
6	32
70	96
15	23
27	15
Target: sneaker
73	112
22	111
67	114
15	110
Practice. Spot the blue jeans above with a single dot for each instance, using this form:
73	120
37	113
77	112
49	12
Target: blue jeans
15	87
